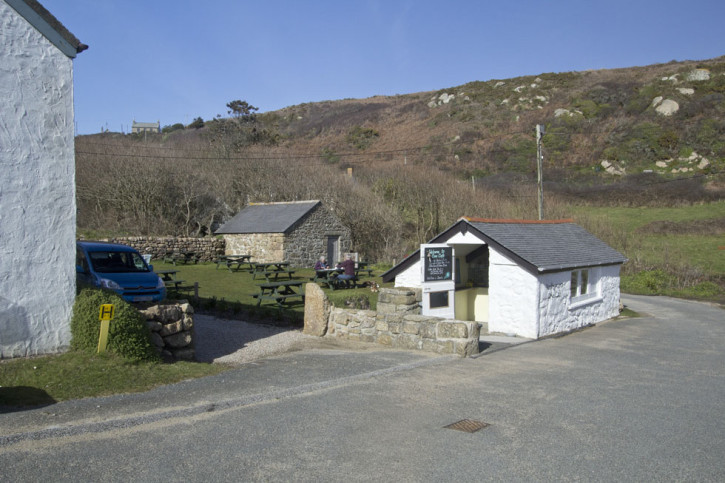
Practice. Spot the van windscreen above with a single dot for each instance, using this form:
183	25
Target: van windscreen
114	262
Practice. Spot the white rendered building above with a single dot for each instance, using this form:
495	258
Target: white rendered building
528	278
37	180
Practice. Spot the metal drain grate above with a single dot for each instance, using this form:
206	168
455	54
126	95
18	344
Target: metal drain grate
467	425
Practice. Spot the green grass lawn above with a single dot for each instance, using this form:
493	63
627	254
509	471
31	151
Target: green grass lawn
702	251
231	293
631	218
679	263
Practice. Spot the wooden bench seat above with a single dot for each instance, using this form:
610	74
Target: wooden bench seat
277	297
275	274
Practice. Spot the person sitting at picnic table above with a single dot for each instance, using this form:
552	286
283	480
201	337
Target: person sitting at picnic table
321	264
349	271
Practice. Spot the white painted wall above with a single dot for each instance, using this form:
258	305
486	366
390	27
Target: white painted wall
559	314
411	277
37	191
513	297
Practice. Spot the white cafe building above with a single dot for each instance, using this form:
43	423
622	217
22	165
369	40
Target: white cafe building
528	278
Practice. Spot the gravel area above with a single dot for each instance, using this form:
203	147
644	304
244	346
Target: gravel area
236	342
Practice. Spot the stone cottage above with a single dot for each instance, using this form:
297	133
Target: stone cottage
37	180
529	278
298	232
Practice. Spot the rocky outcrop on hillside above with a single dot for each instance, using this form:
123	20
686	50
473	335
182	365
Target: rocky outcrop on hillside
614	122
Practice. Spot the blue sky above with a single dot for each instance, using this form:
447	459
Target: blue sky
175	60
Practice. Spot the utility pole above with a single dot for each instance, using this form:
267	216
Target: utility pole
540	179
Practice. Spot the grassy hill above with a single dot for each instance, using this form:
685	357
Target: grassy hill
485	128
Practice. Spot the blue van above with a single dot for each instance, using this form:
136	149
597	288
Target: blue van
119	268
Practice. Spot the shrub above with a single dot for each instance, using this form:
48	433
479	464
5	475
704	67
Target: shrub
361	137
128	334
197	123
329	155
648	282
174	127
704	290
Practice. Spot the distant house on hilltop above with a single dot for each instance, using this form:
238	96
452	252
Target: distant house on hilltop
297	232
139	127
37	180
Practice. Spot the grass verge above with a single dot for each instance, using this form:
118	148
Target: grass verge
74	375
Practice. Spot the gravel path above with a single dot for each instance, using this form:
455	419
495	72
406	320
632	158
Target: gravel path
236	342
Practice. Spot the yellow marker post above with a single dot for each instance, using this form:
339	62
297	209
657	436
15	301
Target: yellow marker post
105	316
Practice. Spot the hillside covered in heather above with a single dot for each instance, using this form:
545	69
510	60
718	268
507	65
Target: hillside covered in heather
398	169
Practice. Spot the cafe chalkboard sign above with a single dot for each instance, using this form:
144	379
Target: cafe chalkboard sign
438	264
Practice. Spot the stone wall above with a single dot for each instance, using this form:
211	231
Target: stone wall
208	248
396	323
307	241
172	330
264	247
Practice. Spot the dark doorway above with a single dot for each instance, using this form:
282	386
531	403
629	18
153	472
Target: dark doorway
333	249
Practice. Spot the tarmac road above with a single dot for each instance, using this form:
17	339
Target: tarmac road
628	400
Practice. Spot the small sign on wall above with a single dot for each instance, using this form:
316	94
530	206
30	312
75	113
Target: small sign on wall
438	264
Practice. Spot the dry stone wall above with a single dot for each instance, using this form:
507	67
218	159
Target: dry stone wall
208	249
396	323
264	247
172	330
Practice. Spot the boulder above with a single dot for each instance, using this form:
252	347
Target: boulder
317	310
698	75
667	107
179	340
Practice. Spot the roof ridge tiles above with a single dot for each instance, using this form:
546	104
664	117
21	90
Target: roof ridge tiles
258	203
520	222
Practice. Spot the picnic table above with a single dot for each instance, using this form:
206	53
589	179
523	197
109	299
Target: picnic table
177	285
271	270
361	267
181	257
328	276
237	260
169	278
279	291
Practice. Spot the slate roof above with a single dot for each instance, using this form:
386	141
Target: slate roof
551	246
538	246
268	217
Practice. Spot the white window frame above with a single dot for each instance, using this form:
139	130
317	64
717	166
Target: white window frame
584	293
